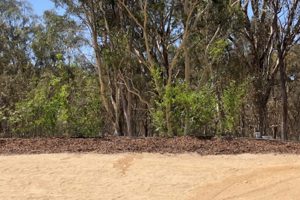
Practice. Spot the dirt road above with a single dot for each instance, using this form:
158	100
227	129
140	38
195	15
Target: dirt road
149	176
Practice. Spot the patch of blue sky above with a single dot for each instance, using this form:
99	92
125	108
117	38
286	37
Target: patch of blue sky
40	6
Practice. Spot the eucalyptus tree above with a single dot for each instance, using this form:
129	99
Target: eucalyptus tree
270	29
146	56
112	39
174	39
258	37
56	35
16	32
93	15
287	31
52	92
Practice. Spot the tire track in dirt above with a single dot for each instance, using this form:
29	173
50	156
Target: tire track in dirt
251	185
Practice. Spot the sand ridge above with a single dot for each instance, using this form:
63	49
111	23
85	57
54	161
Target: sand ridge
130	176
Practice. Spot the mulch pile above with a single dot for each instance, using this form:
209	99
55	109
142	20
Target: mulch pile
110	145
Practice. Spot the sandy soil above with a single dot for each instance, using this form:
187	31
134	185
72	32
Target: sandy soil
149	176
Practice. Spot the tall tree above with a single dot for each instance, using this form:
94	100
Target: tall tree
259	38
17	26
287	30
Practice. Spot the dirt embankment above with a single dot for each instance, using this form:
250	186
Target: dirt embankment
149	145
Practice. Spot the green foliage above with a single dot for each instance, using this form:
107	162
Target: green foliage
86	118
55	38
59	56
59	106
217	49
196	106
141	55
3	117
233	98
157	78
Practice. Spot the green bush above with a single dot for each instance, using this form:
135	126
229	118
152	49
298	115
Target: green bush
60	105
233	98
195	107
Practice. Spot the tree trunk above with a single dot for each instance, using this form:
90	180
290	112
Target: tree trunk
242	121
116	110
168	120
262	118
127	105
284	97
263	90
187	74
187	61
221	112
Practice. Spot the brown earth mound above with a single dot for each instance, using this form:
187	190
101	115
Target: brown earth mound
151	145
